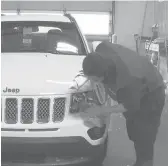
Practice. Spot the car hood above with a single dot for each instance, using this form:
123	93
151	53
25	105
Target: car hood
38	73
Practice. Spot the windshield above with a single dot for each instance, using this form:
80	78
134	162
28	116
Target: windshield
48	37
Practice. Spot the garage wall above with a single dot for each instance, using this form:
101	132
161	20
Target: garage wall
129	16
54	5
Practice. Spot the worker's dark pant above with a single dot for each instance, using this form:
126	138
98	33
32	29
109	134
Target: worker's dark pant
142	127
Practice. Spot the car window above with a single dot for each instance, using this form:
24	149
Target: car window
52	37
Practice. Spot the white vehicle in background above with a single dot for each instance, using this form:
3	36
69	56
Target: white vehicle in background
41	55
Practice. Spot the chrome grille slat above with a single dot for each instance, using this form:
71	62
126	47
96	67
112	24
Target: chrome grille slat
51	109
11	110
27	111
58	109
2	109
19	110
43	110
35	109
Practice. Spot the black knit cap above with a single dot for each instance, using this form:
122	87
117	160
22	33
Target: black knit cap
94	65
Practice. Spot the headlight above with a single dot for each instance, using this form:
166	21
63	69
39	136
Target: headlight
83	100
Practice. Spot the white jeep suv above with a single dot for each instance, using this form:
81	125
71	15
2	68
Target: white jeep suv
41	58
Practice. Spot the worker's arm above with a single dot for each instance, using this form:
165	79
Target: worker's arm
101	111
128	98
105	109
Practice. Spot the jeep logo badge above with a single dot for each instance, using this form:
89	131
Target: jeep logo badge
13	90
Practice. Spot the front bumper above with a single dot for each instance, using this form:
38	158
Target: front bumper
47	151
67	144
70	127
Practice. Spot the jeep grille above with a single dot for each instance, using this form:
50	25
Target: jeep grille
31	110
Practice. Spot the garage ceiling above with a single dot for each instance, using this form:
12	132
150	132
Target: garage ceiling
82	6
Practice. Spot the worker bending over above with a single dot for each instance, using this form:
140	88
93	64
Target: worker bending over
137	86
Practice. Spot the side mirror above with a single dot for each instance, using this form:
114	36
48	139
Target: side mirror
95	44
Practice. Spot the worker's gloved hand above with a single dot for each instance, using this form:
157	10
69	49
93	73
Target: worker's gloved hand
92	117
84	108
91	112
102	111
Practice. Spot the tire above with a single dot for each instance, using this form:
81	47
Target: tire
99	159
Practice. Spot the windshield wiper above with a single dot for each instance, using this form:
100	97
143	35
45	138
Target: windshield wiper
43	51
28	49
62	52
32	50
53	52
